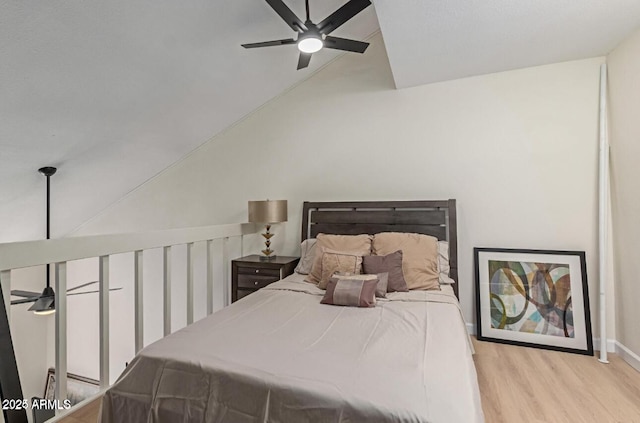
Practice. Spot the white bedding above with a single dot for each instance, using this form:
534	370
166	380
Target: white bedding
279	355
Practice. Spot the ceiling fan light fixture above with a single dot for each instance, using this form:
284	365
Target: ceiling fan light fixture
46	304
47	312
310	44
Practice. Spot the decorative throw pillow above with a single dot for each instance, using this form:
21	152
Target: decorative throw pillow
419	257
307	254
350	292
337	261
382	278
390	264
360	244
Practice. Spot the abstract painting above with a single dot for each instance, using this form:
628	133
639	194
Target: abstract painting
533	298
79	388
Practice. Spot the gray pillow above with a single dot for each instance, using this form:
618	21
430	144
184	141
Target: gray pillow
391	264
351	292
382	278
307	254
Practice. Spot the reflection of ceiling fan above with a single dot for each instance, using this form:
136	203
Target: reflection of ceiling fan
45	302
313	37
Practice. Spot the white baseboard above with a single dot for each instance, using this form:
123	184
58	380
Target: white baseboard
611	345
627	355
471	328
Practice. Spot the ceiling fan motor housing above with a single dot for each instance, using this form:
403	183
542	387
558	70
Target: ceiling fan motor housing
48	171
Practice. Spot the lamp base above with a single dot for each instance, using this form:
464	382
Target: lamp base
268	253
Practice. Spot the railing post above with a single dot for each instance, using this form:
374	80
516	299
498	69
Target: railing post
189	283
209	277
103	296
5	281
166	276
61	330
138	300
225	271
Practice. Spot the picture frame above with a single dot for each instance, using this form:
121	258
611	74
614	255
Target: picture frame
79	388
533	298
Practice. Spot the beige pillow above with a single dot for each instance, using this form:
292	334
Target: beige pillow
419	257
358	244
338	262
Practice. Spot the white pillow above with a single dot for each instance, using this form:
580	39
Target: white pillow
307	254
443	263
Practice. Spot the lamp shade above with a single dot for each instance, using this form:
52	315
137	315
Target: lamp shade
269	211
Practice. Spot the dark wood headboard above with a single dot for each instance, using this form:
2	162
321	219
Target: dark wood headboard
435	218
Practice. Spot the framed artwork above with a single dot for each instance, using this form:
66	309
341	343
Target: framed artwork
534	298
79	388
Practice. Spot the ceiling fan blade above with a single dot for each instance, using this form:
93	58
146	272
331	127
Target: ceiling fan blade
81	286
345	44
28	294
24	301
303	60
340	16
270	43
289	17
92	292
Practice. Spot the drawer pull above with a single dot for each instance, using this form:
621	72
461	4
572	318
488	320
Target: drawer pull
256	283
257	271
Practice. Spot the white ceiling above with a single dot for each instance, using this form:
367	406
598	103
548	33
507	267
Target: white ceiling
436	40
113	92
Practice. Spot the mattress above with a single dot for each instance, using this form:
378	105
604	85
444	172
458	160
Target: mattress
279	355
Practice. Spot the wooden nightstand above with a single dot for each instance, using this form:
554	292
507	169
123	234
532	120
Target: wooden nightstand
248	274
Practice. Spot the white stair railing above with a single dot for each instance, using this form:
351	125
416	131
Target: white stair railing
18	255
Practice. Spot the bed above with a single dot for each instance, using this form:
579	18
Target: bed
278	355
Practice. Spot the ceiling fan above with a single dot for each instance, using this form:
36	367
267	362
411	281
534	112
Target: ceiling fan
45	302
313	37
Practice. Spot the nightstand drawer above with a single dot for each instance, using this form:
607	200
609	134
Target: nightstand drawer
251	273
258	272
256	281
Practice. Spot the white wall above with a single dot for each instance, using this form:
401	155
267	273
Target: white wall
624	83
518	150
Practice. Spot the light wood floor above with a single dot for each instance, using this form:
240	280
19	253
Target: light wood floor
528	385
520	384
87	414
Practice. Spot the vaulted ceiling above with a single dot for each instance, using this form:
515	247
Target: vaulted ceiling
114	92
431	41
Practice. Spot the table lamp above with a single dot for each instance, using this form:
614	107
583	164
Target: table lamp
268	212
